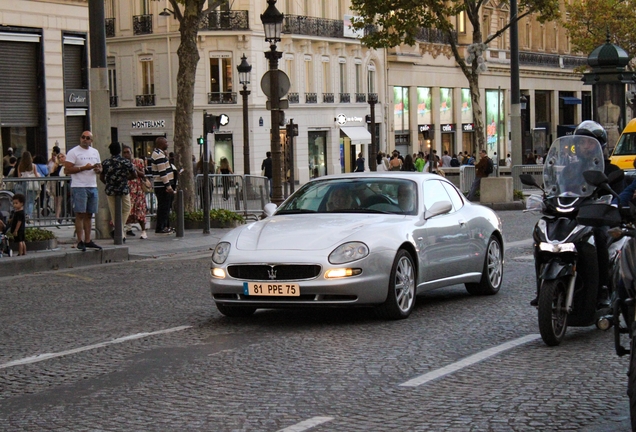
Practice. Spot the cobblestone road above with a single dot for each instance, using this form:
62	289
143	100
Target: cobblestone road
340	369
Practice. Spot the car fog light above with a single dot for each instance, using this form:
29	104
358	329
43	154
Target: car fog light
218	273
342	272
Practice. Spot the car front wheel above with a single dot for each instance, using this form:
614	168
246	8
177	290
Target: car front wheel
492	273
400	299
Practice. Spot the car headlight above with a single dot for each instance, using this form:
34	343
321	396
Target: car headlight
221	251
348	252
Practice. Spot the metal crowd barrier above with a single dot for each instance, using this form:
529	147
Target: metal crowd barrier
47	199
246	195
535	170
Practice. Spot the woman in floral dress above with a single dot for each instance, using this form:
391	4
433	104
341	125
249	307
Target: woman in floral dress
138	207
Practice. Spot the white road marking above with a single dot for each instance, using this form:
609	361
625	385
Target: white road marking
468	361
307	424
42	357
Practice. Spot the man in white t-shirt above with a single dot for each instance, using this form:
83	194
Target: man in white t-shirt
83	164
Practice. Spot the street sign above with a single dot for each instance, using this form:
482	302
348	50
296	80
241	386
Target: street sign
283	83
282	104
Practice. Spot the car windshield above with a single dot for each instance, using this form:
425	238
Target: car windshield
565	163
363	195
626	145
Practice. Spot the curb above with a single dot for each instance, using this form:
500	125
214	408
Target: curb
60	259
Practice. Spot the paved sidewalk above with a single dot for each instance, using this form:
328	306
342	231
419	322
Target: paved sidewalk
67	256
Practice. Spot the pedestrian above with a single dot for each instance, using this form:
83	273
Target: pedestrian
138	207
432	164
18	223
59	187
395	164
225	171
446	159
53	159
83	164
163	176
408	164
539	160
454	162
530	160
382	163
419	162
7	157
359	163
7	169
508	160
27	169
116	171
266	170
481	171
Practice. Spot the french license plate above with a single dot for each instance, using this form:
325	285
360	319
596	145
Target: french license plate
271	289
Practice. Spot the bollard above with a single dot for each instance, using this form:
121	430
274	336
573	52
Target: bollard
180	211
117	220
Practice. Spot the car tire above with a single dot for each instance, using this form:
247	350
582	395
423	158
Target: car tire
492	273
235	311
400	299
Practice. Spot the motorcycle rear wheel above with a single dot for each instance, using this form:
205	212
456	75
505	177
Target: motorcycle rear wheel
553	316
631	384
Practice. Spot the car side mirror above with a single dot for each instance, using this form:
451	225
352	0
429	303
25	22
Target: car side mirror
440	207
269	209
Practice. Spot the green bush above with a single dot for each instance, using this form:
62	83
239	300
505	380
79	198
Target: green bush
37	234
220	215
517	195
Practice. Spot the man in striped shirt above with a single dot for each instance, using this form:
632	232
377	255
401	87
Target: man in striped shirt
163	177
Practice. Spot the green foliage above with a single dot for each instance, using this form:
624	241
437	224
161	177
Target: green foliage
219	215
517	195
38	234
589	22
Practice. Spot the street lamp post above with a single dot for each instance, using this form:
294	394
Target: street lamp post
244	70
272	21
373	151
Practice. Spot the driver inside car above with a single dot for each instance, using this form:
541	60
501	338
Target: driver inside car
340	199
406	198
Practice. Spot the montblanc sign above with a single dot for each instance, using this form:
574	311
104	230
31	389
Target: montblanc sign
148	124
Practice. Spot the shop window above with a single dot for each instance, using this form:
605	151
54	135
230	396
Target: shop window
342	68
220	72
147	75
317	154
461	22
371	77
401	109
358	78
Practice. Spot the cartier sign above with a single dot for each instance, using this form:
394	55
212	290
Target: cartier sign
77	98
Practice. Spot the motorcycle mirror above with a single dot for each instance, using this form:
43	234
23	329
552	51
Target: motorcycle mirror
528	180
616	176
595	178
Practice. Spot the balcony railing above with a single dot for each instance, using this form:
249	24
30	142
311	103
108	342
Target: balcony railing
550	60
311	98
222	98
109	24
345	97
434	35
145	100
327	98
304	25
361	97
293	98
226	20
114	100
142	24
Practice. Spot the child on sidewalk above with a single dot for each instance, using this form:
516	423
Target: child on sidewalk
18	223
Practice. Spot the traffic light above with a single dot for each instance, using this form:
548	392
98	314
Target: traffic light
292	129
211	123
200	140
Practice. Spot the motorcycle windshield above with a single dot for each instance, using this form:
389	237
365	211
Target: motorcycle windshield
568	158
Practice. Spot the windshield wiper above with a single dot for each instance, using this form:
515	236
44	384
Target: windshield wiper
295	211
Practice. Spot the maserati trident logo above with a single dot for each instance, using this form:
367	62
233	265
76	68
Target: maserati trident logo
271	273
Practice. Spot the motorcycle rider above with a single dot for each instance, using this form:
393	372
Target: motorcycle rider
585	155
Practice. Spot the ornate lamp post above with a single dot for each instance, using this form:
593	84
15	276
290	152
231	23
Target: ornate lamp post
244	70
272	21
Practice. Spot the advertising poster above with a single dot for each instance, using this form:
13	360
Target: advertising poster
445	105
467	106
494	119
424	103
401	108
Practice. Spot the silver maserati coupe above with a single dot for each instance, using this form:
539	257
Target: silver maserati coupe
361	239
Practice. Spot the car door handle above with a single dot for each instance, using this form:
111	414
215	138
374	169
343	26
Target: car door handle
462	222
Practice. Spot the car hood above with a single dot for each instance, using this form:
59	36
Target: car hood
308	232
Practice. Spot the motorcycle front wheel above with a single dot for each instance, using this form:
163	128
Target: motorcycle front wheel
631	384
553	315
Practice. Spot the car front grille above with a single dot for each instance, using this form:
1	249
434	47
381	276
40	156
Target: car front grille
286	272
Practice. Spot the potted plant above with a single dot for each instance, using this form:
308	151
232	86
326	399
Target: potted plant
36	239
219	218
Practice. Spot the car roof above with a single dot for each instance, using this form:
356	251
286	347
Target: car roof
415	176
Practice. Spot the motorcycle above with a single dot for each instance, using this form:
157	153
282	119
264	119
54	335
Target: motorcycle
565	250
622	220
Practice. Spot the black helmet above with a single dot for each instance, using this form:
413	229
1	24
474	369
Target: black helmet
592	129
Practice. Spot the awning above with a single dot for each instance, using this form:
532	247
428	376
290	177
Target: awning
358	134
567	100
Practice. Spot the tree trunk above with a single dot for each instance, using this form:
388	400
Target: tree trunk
478	114
188	54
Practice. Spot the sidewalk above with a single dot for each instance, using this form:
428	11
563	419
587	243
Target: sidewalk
67	256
